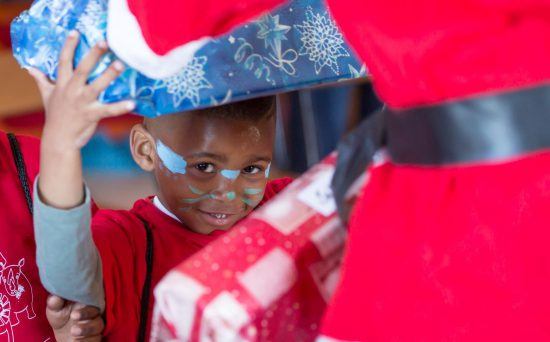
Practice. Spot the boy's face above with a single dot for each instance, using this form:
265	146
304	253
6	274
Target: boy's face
212	172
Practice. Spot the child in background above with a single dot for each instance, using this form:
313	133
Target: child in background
23	309
211	167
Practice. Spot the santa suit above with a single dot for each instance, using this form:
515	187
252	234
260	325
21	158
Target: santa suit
449	240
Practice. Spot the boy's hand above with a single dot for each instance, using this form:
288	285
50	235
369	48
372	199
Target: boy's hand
72	108
73	321
72	115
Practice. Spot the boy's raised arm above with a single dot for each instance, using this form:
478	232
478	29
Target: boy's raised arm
72	115
69	263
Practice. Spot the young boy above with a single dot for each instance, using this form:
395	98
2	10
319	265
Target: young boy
211	167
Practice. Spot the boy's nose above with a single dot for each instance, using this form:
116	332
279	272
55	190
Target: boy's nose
228	195
226	189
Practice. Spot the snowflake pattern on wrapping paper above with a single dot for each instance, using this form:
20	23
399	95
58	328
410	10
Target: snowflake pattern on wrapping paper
188	83
322	42
56	10
279	51
45	57
93	20
354	73
271	31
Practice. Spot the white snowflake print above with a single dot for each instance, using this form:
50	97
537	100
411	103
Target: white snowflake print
5	310
93	20
59	9
271	31
354	73
56	8
322	42
45	59
188	82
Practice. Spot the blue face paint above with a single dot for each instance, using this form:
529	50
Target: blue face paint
251	191
267	170
231	195
198	199
249	202
230	174
195	190
173	161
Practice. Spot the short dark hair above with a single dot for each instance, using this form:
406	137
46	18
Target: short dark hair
249	110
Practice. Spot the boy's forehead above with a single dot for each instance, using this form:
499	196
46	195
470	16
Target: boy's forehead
193	132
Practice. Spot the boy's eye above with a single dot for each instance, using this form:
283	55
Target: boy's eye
206	167
252	170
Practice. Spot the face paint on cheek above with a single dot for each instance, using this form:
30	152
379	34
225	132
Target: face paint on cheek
230	174
171	160
250	202
268	170
198	199
196	191
253	191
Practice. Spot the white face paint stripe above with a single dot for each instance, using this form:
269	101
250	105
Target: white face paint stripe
230	174
268	170
173	161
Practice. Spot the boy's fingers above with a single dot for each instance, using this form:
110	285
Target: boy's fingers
87	328
55	303
88	63
57	312
114	109
106	78
81	313
65	67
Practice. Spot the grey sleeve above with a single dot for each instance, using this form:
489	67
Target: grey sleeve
68	261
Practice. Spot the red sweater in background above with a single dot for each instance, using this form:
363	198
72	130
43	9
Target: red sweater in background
22	297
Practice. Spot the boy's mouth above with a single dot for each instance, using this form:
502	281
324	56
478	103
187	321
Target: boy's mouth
218	219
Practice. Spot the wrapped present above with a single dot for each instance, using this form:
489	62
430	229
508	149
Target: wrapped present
298	45
268	279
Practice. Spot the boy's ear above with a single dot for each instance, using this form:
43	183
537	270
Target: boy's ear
142	145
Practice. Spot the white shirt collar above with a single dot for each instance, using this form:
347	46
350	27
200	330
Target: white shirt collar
158	204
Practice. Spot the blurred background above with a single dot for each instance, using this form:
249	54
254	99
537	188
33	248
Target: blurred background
310	123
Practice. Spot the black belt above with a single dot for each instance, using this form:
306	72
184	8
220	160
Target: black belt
478	130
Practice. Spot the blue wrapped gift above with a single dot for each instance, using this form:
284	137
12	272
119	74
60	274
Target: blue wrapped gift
294	47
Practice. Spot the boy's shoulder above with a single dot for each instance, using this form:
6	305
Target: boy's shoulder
122	230
137	216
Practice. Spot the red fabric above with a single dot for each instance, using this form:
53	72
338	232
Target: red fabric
120	239
167	24
448	254
428	51
23	318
